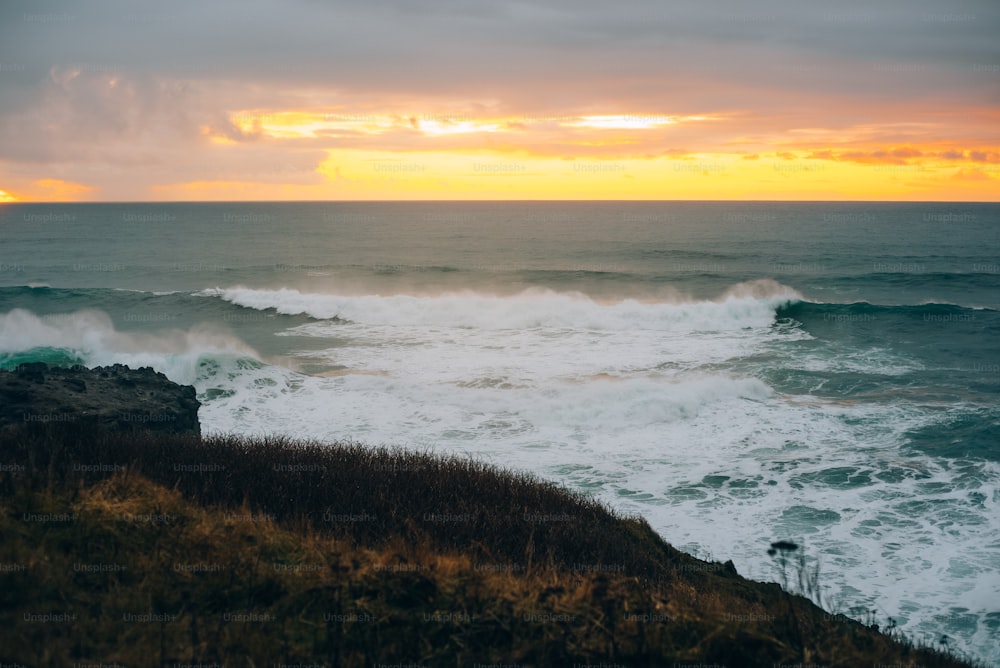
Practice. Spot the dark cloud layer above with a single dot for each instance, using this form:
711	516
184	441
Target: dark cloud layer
466	48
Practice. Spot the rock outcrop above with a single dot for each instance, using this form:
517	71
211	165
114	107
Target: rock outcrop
113	397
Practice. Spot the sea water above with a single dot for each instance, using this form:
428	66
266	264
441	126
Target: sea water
735	372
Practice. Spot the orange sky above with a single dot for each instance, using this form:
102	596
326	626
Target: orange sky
515	101
601	156
597	156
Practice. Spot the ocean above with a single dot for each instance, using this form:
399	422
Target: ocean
735	372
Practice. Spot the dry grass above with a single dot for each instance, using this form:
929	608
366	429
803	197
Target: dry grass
330	554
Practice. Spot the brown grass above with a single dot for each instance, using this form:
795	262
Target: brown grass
332	556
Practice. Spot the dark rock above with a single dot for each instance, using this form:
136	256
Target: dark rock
16	394
114	397
76	384
32	371
37	368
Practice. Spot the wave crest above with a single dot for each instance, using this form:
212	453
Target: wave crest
90	335
752	304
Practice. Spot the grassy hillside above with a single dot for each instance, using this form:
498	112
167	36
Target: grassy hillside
155	550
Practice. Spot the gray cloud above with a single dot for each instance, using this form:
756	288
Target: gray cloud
450	47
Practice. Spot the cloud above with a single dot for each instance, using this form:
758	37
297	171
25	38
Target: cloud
124	97
55	190
507	51
907	155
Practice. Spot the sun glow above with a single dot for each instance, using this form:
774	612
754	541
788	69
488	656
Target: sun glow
453	155
447	126
443	173
300	124
289	124
623	122
338	154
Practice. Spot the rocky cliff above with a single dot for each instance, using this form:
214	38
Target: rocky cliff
114	397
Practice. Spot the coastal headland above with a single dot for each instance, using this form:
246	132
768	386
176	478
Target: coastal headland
125	543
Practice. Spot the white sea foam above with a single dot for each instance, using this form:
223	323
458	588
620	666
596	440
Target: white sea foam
745	305
91	335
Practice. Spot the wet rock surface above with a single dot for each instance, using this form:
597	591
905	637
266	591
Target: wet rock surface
113	397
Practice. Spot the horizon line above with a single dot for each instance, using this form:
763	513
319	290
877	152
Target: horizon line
498	201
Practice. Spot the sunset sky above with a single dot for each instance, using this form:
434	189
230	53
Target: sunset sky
461	99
